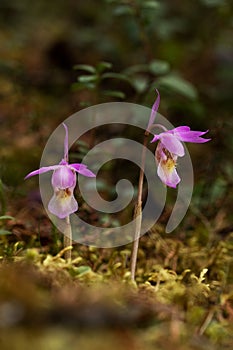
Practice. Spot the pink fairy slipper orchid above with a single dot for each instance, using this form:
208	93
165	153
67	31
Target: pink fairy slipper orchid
170	148
63	203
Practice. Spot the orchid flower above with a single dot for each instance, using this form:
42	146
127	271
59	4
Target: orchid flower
168	150
170	147
63	203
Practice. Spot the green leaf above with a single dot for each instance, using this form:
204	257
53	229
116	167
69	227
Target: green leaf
137	68
85	67
81	86
82	150
87	78
102	66
86	104
178	84
81	270
82	143
210	3
6	217
118	76
150	5
139	83
114	93
5	232
159	67
123	10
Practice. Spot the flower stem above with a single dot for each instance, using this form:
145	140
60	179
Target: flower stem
67	239
138	209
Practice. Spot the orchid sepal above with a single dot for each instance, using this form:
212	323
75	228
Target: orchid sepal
42	170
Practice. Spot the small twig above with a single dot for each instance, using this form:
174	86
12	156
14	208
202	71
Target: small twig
206	322
67	239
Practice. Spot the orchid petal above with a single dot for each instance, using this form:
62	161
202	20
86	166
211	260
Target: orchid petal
156	138
64	177
172	144
160	153
63	203
167	175
82	169
42	170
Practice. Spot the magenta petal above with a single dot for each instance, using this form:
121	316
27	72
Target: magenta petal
172	144
167	176
191	136
64	177
82	169
62	204
42	170
180	129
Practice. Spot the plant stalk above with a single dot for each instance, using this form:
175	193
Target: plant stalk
138	209
67	239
